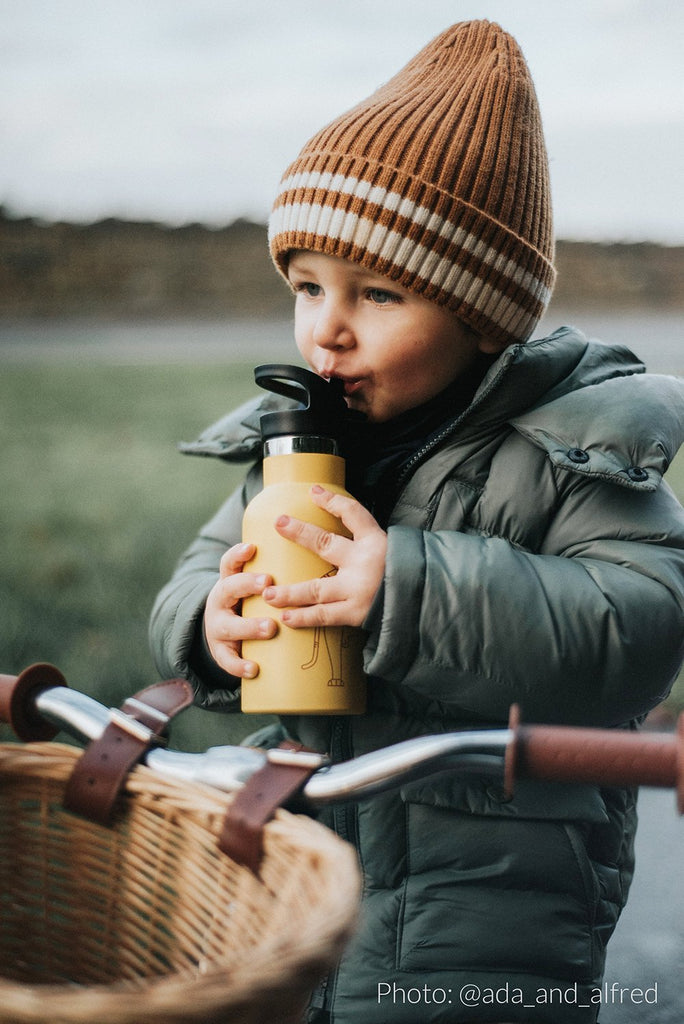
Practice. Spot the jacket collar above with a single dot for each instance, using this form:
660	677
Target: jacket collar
564	393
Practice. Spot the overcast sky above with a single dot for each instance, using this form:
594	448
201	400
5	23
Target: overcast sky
190	110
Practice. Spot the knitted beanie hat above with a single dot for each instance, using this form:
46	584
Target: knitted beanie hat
438	181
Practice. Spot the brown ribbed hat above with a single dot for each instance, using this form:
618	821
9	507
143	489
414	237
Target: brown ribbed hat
439	181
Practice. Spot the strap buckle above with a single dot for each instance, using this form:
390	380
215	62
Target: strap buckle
297	758
138	730
100	773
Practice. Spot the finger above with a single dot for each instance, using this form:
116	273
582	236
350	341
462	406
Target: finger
228	658
232	629
234	558
227	652
317	591
351	512
232	589
334	614
328	545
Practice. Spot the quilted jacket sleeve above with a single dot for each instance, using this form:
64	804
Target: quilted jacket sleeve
585	631
176	635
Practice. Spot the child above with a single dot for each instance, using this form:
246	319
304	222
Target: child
512	541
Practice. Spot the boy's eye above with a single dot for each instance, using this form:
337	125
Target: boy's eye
308	288
380	297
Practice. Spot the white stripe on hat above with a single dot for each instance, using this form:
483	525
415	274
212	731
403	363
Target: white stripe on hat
394	201
346	227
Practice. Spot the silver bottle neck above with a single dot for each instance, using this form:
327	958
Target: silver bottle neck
300	444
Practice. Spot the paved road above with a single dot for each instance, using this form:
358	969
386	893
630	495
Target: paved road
656	335
141	342
647	949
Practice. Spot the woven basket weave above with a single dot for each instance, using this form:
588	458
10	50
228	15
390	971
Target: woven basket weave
146	921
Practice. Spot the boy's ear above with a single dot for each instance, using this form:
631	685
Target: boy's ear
490	346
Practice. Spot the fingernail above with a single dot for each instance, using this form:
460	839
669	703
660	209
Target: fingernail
317	489
265	626
268	594
285	617
282	520
250	670
261	581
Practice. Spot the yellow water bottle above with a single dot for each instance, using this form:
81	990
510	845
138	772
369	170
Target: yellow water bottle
317	670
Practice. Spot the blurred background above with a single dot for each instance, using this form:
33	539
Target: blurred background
140	147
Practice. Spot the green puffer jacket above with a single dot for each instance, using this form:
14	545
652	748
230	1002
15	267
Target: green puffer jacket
535	556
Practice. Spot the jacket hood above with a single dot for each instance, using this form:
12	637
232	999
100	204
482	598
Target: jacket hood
605	417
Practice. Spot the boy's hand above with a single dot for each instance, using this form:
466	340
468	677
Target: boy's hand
345	598
224	627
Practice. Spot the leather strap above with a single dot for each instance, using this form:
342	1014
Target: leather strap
101	771
242	835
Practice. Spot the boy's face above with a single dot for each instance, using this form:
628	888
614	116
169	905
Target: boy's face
393	349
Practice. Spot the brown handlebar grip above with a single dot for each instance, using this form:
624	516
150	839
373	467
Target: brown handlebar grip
17	701
607	757
611	758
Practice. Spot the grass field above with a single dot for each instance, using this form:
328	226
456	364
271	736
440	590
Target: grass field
97	505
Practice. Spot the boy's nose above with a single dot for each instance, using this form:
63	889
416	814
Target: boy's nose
332	328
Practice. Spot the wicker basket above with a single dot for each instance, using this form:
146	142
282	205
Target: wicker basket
146	921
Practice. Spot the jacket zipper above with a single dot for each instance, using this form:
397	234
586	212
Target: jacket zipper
345	816
345	825
341	749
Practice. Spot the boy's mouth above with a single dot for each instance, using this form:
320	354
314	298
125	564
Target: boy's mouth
350	384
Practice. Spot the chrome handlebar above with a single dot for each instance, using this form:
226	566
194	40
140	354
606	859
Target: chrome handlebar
228	767
609	757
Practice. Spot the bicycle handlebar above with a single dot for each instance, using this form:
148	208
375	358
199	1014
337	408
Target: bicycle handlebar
38	704
610	757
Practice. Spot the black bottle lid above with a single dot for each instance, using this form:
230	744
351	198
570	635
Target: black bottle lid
321	403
